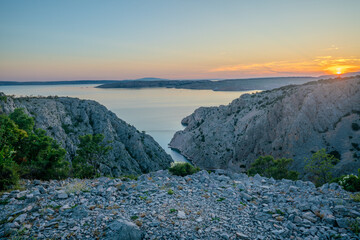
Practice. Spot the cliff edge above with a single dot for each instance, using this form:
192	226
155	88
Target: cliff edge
291	122
65	119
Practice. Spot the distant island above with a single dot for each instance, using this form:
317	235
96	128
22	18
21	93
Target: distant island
242	84
215	85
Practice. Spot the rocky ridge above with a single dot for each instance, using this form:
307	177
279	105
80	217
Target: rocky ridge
219	205
291	122
65	119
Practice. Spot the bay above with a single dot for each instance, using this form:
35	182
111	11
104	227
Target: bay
157	111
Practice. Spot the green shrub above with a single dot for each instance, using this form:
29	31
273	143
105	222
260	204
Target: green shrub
349	182
33	153
22	120
91	150
9	175
183	169
267	166
319	167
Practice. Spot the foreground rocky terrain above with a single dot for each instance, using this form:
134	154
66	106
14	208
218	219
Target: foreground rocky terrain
158	205
65	119
291	122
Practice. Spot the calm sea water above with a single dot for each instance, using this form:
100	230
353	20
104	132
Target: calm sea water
158	112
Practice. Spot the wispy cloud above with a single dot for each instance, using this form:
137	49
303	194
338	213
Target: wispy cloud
332	48
321	64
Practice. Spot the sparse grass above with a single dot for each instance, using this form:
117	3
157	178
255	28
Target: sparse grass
134	217
354	225
170	192
278	211
129	177
215	219
172	210
76	187
243	204
220	199
356	197
143	197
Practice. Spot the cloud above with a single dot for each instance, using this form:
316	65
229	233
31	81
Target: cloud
332	48
321	64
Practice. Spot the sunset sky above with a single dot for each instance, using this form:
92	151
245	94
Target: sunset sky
177	39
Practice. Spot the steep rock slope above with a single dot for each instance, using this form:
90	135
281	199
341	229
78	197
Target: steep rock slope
291	122
65	119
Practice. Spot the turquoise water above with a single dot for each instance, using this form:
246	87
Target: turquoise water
158	112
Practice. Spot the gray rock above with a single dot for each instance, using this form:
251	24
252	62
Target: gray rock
123	230
342	222
246	196
132	152
21	218
181	215
282	122
62	196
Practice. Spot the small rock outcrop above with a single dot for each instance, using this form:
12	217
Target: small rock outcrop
219	205
65	119
291	122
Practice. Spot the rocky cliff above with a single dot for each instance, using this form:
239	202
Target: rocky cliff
65	119
291	122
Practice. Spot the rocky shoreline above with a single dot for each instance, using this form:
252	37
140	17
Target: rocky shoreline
158	205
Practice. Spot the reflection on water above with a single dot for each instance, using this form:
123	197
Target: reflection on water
157	111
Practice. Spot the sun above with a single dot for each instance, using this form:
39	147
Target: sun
339	71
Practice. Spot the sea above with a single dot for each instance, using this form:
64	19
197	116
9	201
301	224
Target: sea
157	111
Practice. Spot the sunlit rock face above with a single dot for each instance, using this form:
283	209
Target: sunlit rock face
65	119
291	122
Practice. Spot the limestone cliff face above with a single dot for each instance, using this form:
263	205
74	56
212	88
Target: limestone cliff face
291	122
65	119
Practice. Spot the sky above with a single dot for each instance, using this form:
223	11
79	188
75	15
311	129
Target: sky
177	39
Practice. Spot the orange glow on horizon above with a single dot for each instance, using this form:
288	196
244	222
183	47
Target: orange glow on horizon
319	66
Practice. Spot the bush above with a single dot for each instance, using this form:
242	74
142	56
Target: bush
183	169
8	170
267	166
350	183
319	167
91	150
28	153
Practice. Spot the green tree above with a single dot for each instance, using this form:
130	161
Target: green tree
91	151
319	167
42	157
267	166
9	175
22	120
28	152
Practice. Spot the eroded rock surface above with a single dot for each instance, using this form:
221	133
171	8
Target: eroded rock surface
291	122
65	119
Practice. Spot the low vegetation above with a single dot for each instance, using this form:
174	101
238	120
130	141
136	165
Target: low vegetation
27	152
91	150
319	167
267	166
183	169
